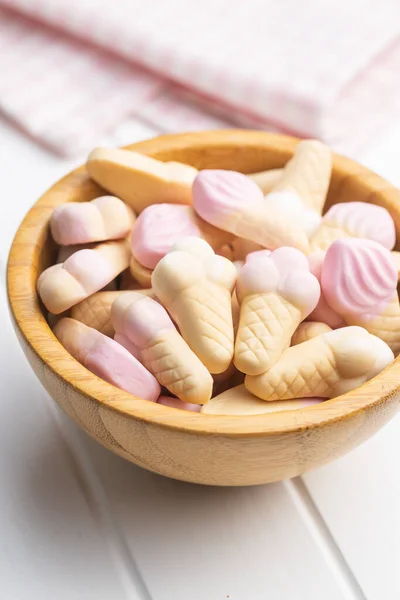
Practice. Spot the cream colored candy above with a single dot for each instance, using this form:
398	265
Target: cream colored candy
300	194
326	366
308	174
140	180
267	180
276	291
239	401
195	286
140	273
105	218
386	325
308	330
145	324
95	311
67	251
82	274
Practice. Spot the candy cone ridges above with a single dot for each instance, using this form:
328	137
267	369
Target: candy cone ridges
386	325
144	327
195	286
95	311
205	321
176	369
325	366
276	292
266	325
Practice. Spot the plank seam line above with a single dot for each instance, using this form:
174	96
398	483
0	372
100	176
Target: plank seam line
100	508
324	539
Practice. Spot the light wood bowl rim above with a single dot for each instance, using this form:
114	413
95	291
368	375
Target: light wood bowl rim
28	317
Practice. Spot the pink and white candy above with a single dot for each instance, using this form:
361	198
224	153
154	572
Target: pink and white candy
105	218
106	358
323	312
234	203
158	228
358	278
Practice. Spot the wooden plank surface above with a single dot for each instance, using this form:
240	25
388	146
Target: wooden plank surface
52	544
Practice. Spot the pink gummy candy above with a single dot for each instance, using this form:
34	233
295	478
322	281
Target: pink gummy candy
157	229
364	221
107	359
358	277
322	313
176	403
220	197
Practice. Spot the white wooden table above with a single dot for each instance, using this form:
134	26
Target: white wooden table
80	523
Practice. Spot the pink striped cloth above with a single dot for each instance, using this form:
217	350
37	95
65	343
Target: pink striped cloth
72	70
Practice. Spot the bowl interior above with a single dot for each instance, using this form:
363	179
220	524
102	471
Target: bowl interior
33	250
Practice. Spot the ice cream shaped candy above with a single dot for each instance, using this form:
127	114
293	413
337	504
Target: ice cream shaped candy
232	202
95	311
325	366
239	401
276	291
195	286
359	280
322	312
308	330
140	180
105	218
106	358
299	195
82	274
160	226
354	219
306	176
143	324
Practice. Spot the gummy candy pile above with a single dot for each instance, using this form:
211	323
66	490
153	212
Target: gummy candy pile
220	292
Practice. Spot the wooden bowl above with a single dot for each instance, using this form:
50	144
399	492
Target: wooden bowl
208	449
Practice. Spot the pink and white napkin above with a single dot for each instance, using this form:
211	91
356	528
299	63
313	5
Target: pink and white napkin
71	70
